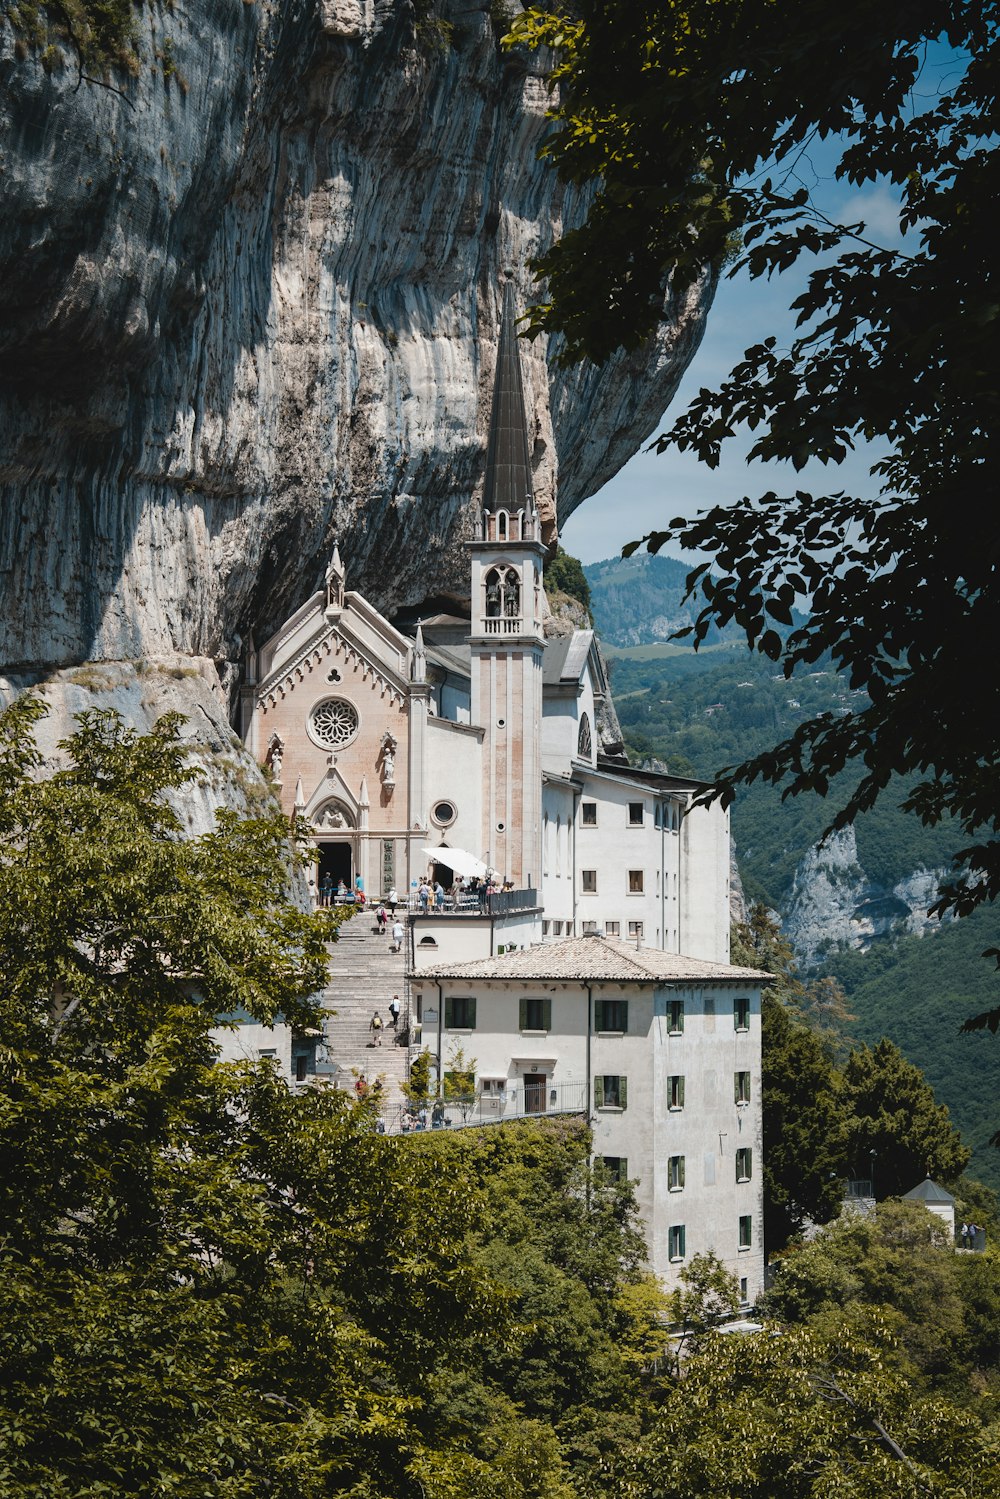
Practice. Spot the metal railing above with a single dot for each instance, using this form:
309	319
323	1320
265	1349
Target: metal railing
476	903
519	1100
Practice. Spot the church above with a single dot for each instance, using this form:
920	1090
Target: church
471	741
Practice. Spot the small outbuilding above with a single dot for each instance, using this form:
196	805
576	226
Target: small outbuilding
936	1200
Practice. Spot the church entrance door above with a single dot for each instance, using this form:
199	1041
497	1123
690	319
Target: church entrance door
335	860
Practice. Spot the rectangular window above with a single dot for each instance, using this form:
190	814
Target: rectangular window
588	814
741	1014
557	929
743	1292
635	930
611	1015
635	814
675	1173
675	1241
460	1013
545	928
741	1087
588	881
746	1231
610	1091
744	1163
459	1085
675	1016
635	882
588	926
675	1092
617	1165
612	929
536	1014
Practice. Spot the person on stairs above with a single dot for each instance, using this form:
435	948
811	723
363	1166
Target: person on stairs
394	1011
375	1026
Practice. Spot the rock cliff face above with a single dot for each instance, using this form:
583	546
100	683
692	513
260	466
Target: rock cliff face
834	904
254	305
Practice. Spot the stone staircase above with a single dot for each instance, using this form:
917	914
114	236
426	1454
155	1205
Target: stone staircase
365	973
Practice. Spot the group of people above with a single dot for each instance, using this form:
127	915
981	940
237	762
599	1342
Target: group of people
416	1119
376	1025
969	1235
335	893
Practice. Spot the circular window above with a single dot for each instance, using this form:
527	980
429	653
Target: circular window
333	723
501	723
501	826
444	813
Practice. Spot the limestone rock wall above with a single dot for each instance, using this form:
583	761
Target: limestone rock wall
253	305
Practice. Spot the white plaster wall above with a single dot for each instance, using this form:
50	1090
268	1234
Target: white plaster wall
704	883
453	772
614	848
246	1042
557	876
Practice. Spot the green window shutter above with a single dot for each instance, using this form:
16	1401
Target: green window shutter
598	1014
680	1172
470	1010
598	1092
682	1240
449	1014
680	1091
546	1014
523	1014
623	1169
623	1092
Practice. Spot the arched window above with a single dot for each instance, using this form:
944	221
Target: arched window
503	593
584	744
501	525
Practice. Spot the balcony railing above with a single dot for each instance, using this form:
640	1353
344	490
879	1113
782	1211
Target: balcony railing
506	624
495	903
519	1100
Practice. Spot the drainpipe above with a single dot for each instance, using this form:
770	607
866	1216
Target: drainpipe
440	1042
663	877
590	1015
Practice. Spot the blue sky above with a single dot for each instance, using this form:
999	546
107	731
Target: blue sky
653	488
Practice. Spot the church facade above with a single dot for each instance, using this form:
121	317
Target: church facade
408	750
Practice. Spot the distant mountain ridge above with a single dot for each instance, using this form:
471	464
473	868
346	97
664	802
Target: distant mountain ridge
639	600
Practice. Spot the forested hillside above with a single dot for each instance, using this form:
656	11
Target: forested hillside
700	711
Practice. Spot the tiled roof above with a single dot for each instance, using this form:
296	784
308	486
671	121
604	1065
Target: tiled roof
593	959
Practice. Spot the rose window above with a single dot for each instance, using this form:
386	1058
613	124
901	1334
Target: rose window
334	723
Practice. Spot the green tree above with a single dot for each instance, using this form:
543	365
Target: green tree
896	1132
207	1282
688	120
565	574
808	1413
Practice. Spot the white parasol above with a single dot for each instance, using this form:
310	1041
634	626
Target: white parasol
458	860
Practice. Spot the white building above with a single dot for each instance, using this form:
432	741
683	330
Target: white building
662	1051
409	748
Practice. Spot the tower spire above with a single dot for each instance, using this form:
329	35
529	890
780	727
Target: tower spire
508	452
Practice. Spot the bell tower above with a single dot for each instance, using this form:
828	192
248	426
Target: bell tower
507	638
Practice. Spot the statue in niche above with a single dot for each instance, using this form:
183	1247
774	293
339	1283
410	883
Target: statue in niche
275	755
389	747
493	594
334	817
511	595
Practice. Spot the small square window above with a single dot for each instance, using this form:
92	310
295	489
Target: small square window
635	810
744	1163
746	1231
610	1091
675	1092
611	1015
675	1017
635	930
741	1087
617	1165
588	814
545	928
588	926
535	1014
588	881
460	1013
675	1173
635	882
557	929
741	1014
676	1237
612	928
